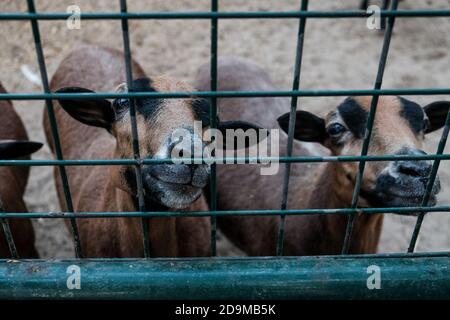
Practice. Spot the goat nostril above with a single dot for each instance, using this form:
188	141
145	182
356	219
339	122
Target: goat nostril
414	170
409	171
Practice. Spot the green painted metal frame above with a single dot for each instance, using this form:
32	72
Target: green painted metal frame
224	15
345	277
408	275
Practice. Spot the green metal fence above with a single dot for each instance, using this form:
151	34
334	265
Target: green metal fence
405	275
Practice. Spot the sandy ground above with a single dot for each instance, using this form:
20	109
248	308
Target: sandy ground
338	54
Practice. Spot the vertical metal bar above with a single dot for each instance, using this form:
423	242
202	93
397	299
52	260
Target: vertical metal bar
213	116
8	235
429	189
54	127
134	133
386	4
292	116
368	132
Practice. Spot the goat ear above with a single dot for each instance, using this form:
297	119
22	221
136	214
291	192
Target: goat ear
244	126
437	114
12	149
93	112
308	127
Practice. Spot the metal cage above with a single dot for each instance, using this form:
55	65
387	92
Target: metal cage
405	275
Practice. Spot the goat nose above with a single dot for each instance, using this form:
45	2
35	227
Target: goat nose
413	168
170	173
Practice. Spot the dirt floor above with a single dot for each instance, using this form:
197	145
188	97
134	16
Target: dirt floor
338	54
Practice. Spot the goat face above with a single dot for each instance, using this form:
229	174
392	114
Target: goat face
171	185
399	128
159	124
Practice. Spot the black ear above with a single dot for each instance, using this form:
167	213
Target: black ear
437	113
241	125
93	112
308	127
13	149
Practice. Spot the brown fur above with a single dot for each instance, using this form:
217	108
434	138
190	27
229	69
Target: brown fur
241	187
12	187
100	188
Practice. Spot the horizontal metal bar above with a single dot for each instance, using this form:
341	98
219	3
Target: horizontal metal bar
218	278
154	214
299	159
223	15
391	255
226	94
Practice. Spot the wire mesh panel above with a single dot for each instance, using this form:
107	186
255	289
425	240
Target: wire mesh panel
408	275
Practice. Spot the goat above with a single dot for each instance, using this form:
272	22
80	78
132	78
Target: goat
399	128
14	144
95	129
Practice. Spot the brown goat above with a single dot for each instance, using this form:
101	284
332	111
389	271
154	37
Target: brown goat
82	125
13	145
399	128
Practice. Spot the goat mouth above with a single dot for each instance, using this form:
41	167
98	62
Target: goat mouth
170	194
397	191
196	176
399	198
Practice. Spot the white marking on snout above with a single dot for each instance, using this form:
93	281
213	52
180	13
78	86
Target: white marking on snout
391	170
163	151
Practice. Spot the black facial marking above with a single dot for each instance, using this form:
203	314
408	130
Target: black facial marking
413	113
202	110
146	106
354	116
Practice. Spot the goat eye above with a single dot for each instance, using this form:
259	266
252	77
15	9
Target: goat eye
335	129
